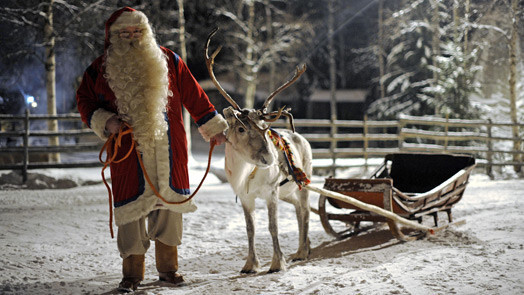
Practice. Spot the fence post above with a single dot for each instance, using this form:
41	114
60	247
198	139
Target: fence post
366	143
489	156
517	146
400	136
26	145
446	129
333	146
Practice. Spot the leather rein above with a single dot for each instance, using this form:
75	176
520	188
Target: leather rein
111	146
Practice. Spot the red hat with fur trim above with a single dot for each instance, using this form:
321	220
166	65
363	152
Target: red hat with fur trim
122	18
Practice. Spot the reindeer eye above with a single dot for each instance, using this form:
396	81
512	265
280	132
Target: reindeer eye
241	129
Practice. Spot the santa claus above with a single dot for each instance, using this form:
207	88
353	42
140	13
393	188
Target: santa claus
138	82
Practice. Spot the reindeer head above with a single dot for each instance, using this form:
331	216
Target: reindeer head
248	127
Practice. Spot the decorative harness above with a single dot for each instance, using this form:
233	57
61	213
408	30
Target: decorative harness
295	172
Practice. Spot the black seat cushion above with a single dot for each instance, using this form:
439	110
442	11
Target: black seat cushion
419	173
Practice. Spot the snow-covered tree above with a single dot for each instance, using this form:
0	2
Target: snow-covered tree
32	31
427	70
408	60
500	27
456	82
251	44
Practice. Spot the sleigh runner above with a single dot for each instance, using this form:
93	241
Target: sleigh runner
412	186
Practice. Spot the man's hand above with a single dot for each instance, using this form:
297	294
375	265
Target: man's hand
113	125
218	139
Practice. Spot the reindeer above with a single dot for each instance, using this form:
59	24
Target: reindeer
256	168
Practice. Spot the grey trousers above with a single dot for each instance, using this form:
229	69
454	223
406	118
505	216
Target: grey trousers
162	225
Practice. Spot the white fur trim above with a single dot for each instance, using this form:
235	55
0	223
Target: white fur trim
98	122
163	170
156	163
130	19
213	127
134	210
146	203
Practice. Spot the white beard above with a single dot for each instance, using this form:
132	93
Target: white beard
137	73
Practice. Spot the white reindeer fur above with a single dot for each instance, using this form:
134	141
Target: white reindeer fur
247	150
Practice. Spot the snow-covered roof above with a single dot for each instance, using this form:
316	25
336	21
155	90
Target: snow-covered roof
318	95
342	95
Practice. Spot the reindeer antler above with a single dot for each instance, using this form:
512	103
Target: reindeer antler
298	73
209	63
282	111
273	116
261	113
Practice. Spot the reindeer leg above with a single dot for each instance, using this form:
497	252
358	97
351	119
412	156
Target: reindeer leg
302	210
252	264
278	262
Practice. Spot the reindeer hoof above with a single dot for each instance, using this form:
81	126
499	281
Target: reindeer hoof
277	266
299	256
296	258
248	271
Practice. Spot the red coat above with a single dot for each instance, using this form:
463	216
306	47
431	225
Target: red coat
95	97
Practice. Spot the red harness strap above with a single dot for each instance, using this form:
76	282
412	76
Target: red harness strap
117	139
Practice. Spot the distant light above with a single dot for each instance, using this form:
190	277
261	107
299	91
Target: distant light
34	104
30	99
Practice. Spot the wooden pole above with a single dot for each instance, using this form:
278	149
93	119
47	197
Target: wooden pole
489	156
333	82
26	145
400	135
369	207
446	130
366	142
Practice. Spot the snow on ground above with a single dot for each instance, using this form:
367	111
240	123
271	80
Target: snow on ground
57	241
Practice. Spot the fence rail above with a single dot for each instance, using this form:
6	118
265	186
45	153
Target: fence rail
490	142
23	148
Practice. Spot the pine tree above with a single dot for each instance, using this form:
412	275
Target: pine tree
428	71
408	60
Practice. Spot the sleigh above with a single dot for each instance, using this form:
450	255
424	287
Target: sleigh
412	186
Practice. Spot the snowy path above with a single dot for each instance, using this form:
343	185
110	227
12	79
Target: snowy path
58	242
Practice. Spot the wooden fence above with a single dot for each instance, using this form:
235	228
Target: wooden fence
489	142
23	148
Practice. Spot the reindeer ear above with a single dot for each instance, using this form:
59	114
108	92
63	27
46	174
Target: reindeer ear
228	112
254	115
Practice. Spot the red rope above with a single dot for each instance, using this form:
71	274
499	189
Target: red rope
118	143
